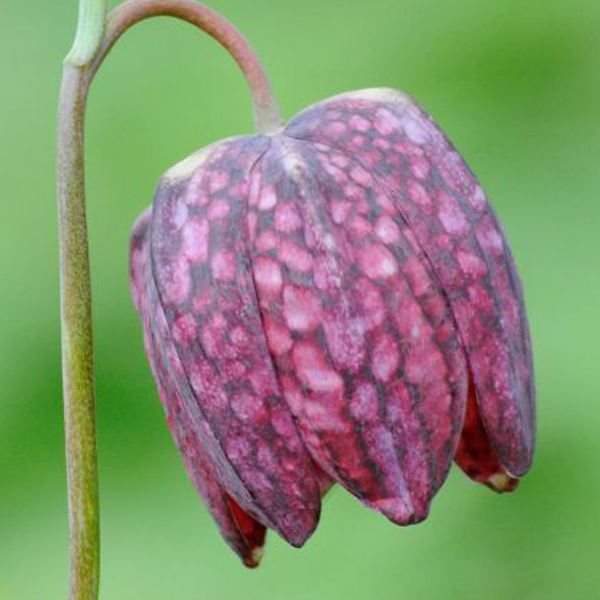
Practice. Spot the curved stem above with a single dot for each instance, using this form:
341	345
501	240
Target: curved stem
267	117
95	37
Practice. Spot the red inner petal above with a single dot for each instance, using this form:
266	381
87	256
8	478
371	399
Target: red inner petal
251	530
325	482
475	455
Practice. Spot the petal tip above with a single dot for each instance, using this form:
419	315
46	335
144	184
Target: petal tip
297	536
478	458
252	560
501	482
401	512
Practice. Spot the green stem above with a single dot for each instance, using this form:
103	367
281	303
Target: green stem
76	318
78	385
94	38
90	31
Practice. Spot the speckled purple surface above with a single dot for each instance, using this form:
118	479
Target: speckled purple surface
319	304
244	534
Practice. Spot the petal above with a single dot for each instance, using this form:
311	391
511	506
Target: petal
242	533
475	455
362	337
459	233
223	370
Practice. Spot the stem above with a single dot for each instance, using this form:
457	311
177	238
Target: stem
78	385
267	117
76	318
95	36
90	31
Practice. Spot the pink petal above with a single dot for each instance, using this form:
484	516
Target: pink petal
224	374
457	230
242	533
378	399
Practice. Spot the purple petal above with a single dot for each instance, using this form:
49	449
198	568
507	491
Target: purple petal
241	532
457	230
362	337
475	455
223	370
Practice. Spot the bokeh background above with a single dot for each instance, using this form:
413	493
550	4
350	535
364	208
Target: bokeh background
515	84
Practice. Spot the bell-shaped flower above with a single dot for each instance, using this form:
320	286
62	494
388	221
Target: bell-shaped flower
335	302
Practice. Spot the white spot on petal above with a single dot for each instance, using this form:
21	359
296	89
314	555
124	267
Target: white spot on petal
451	216
223	266
268	199
378	262
218	180
314	371
387	230
195	239
287	217
180	214
364	405
385	359
293	165
301	308
415	130
267	275
278	337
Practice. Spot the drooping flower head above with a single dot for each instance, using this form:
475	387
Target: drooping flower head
334	302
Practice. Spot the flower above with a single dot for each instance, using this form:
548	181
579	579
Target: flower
335	302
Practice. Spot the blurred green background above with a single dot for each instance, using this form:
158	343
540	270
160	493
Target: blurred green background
515	84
